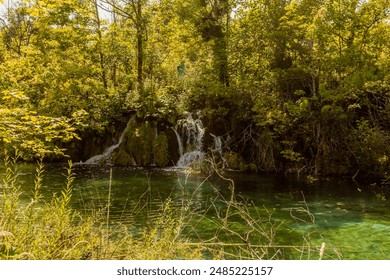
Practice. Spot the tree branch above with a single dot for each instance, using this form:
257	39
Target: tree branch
121	10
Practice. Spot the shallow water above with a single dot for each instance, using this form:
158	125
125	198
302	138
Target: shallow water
353	220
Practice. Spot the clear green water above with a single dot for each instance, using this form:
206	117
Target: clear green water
353	220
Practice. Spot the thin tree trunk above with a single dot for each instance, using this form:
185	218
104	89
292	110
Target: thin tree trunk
100	49
140	50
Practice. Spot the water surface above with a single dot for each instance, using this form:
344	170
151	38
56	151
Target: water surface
352	220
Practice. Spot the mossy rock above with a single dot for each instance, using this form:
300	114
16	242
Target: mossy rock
122	158
142	145
160	150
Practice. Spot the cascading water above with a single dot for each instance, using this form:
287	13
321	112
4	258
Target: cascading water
105	157
190	140
190	134
217	148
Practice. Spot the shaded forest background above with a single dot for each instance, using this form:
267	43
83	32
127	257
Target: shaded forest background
289	85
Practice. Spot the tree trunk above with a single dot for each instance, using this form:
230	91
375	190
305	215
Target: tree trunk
99	45
221	59
140	50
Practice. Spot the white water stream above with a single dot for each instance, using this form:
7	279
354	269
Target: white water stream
190	135
105	157
190	140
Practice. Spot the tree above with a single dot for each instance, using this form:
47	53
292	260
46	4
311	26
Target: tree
133	10
213	24
308	64
100	42
49	63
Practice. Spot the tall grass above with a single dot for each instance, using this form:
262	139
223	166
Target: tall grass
53	230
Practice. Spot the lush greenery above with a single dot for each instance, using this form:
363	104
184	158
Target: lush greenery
46	228
41	230
299	86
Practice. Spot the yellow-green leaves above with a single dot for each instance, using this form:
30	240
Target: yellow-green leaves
33	135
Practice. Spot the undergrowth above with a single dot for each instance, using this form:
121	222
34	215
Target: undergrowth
44	230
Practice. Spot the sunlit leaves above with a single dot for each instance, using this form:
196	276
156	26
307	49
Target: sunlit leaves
300	71
34	135
55	63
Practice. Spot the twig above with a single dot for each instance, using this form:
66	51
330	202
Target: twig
322	250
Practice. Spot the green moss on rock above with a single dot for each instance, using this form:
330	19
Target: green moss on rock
142	145
160	149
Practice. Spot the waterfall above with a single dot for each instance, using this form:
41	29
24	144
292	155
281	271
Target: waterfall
217	144
217	148
105	157
190	140
190	134
179	141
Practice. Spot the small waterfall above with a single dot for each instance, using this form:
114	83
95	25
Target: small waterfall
105	157
190	140
179	142
217	148
217	143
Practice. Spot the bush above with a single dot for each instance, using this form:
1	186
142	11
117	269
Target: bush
369	146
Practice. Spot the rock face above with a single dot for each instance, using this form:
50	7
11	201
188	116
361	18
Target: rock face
105	157
143	144
140	144
94	143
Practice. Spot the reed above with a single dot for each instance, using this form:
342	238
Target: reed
53	230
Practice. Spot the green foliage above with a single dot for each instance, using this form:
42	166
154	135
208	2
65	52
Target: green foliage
54	231
41	231
33	135
370	147
302	72
53	62
163	240
234	160
291	155
321	57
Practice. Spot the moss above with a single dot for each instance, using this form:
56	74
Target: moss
160	149
142	145
121	157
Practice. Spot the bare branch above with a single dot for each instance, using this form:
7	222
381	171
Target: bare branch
121	10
